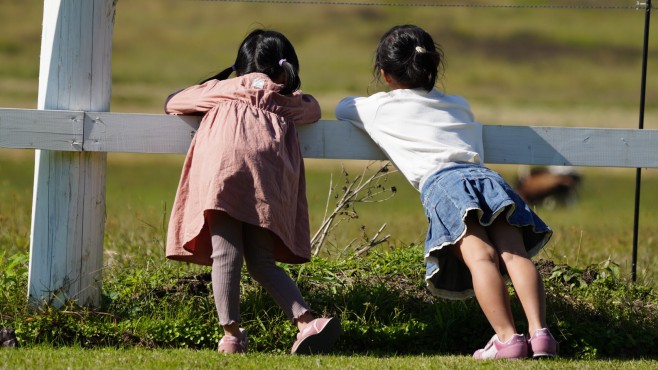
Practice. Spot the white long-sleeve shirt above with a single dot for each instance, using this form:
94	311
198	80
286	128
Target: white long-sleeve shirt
420	132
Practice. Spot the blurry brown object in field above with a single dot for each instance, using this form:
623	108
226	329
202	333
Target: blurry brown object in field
549	186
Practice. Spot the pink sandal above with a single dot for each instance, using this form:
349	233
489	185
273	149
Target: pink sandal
317	337
231	344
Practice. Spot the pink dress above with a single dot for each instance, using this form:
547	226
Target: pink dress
244	160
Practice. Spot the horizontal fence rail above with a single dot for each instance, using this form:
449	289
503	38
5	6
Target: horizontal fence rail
80	131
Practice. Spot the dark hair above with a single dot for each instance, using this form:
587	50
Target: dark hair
267	52
409	55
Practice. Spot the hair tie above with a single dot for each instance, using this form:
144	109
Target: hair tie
233	67
281	61
420	50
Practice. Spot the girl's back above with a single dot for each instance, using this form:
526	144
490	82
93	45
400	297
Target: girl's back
245	158
420	131
251	91
478	228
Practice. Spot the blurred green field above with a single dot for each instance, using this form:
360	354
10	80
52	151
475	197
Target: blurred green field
140	191
560	67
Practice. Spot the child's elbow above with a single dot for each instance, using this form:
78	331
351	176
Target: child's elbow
345	109
171	111
171	104
342	114
310	117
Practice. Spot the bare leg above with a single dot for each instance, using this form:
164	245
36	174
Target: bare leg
227	256
262	267
522	271
482	260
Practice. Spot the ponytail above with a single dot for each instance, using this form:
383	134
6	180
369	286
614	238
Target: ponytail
292	82
267	52
425	66
410	55
220	76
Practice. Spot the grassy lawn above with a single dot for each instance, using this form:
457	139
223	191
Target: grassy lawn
75	358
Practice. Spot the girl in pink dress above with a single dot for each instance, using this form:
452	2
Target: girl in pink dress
242	192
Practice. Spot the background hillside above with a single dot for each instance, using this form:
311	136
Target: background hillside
517	66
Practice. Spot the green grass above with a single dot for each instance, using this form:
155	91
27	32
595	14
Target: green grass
598	227
140	191
383	305
157	313
381	298
74	358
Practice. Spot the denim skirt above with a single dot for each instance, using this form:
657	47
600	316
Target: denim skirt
451	194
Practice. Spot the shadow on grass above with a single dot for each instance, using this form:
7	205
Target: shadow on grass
392	314
592	313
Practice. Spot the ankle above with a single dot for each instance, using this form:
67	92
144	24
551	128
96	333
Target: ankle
232	329
533	328
304	320
505	335
537	321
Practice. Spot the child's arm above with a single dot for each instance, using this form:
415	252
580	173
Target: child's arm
311	111
194	99
301	108
357	110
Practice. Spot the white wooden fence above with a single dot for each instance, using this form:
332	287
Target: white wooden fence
82	132
72	131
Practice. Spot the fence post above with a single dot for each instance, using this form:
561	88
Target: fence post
68	209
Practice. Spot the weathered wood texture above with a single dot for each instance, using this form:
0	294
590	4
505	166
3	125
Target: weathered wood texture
153	133
68	214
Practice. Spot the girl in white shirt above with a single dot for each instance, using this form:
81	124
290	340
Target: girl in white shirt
480	231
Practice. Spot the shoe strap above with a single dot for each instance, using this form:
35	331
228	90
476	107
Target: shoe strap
311	325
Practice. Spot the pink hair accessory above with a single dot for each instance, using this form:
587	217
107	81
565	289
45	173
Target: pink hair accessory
281	62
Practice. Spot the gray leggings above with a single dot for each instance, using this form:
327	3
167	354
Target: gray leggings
234	241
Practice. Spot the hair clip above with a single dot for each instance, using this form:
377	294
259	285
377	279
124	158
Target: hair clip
281	61
420	50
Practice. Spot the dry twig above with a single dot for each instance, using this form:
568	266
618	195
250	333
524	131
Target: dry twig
361	189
